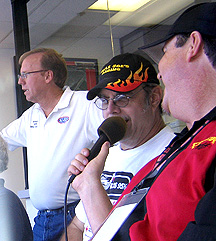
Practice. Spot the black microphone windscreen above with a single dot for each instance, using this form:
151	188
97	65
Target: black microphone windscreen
114	128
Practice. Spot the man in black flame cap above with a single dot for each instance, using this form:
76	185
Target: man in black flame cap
128	88
180	203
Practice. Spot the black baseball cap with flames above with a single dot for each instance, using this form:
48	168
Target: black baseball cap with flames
124	73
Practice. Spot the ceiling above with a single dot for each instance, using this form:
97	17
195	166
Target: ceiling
65	22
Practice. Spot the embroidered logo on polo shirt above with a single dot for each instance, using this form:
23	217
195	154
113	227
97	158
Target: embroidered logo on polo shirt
63	119
88	232
34	124
204	143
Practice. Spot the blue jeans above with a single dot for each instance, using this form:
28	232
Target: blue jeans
49	224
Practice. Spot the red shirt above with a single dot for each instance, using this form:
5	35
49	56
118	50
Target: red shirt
174	195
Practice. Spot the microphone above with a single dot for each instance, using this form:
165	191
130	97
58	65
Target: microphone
113	130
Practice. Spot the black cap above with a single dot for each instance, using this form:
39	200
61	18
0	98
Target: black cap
200	17
124	73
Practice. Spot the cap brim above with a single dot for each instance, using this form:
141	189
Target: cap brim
93	93
167	37
101	85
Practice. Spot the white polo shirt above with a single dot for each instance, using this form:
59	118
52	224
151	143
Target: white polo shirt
52	144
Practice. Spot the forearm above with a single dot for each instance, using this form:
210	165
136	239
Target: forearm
96	203
90	189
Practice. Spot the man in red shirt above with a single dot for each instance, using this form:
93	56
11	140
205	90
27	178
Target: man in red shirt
180	203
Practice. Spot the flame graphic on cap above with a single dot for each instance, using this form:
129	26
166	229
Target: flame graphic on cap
131	82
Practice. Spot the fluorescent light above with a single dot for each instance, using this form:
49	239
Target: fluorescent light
119	5
150	14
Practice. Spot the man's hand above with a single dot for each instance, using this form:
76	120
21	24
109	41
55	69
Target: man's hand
79	163
89	172
89	187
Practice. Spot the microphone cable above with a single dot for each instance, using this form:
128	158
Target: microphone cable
65	210
113	130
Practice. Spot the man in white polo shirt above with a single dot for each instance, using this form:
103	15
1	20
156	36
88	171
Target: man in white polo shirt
54	129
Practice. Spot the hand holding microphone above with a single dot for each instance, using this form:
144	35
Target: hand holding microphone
112	129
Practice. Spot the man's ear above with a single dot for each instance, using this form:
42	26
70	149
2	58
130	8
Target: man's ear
48	76
156	96
195	45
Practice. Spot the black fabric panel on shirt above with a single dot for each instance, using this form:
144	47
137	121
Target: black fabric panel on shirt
210	176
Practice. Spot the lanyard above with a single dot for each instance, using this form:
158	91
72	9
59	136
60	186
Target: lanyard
167	156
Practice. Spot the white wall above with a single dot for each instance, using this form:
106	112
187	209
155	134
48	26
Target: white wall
14	176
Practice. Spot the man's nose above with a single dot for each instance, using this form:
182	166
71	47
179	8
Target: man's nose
20	81
112	108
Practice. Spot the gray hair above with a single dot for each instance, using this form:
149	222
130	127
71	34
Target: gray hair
3	155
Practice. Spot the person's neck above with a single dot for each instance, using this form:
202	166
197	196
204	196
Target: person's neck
199	114
203	99
50	101
156	128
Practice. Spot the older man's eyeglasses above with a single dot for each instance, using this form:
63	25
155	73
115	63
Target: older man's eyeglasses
119	100
25	75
